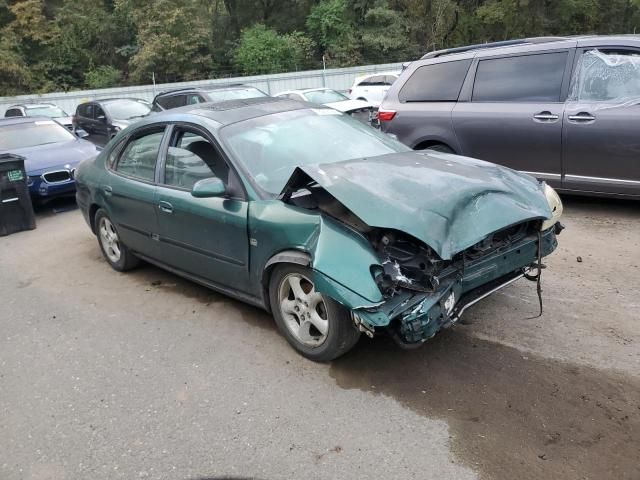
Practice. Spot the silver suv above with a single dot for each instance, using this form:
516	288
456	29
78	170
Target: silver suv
564	109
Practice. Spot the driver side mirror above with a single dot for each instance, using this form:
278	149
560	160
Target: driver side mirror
80	133
208	188
101	118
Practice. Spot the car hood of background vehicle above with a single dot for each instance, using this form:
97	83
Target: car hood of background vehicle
448	202
347	106
45	157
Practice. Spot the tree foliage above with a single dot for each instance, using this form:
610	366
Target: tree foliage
48	45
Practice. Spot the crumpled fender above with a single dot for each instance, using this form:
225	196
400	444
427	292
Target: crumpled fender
341	259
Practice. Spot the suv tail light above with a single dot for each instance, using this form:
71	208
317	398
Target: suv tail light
349	92
386	115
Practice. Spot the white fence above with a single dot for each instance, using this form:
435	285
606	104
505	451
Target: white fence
336	78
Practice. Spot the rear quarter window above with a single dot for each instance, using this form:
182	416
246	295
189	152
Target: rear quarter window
440	82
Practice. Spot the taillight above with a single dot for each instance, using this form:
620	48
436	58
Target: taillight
349	92
386	115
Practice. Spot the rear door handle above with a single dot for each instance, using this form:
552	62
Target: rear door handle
582	117
546	116
165	207
108	191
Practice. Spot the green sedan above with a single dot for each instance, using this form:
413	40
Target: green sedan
335	228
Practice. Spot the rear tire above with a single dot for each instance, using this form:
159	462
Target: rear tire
315	325
438	147
114	251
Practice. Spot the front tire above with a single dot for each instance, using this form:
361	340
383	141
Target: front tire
114	251
315	325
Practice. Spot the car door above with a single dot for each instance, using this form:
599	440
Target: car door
205	237
130	189
84	119
512	114
100	125
601	130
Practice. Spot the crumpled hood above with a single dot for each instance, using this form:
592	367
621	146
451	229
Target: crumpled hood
347	106
56	155
447	201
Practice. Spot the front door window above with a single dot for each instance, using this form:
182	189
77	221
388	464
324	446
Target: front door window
607	76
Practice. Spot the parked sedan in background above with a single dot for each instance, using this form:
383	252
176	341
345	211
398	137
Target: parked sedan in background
373	87
214	93
334	227
359	109
51	154
49	110
103	119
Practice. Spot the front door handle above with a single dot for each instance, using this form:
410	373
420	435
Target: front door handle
546	116
582	117
108	191
165	207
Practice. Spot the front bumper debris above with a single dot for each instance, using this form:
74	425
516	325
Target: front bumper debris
415	317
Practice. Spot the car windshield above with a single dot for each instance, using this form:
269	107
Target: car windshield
234	94
50	111
325	96
22	135
126	109
270	147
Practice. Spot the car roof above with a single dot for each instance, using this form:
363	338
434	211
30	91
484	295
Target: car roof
18	120
32	105
307	90
233	111
206	88
376	74
525	44
114	99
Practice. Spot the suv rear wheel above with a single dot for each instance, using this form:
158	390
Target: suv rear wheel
437	147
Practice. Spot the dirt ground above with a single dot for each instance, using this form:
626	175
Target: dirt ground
145	375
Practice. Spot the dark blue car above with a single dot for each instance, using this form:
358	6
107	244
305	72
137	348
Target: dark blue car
51	154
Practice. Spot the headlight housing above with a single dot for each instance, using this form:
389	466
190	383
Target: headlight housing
555	204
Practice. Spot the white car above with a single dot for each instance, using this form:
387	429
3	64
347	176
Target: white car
359	109
373	87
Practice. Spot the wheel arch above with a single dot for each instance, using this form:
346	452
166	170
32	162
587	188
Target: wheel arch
432	142
295	257
93	209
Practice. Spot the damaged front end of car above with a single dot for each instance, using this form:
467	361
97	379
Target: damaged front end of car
424	294
425	284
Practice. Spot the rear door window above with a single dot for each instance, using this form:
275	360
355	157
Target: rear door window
13	112
529	78
138	160
440	82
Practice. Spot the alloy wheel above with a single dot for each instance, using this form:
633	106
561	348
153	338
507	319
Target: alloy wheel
303	309
109	240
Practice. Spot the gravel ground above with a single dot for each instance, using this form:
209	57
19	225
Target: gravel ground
145	375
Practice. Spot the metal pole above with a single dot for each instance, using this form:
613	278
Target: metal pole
324	72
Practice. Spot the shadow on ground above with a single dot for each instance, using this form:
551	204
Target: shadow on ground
511	415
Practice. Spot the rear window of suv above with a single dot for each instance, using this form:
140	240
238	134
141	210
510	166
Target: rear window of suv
529	78
440	82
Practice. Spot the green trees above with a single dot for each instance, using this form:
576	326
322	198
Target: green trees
50	45
263	50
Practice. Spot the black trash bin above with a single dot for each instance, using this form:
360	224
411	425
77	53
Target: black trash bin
16	210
